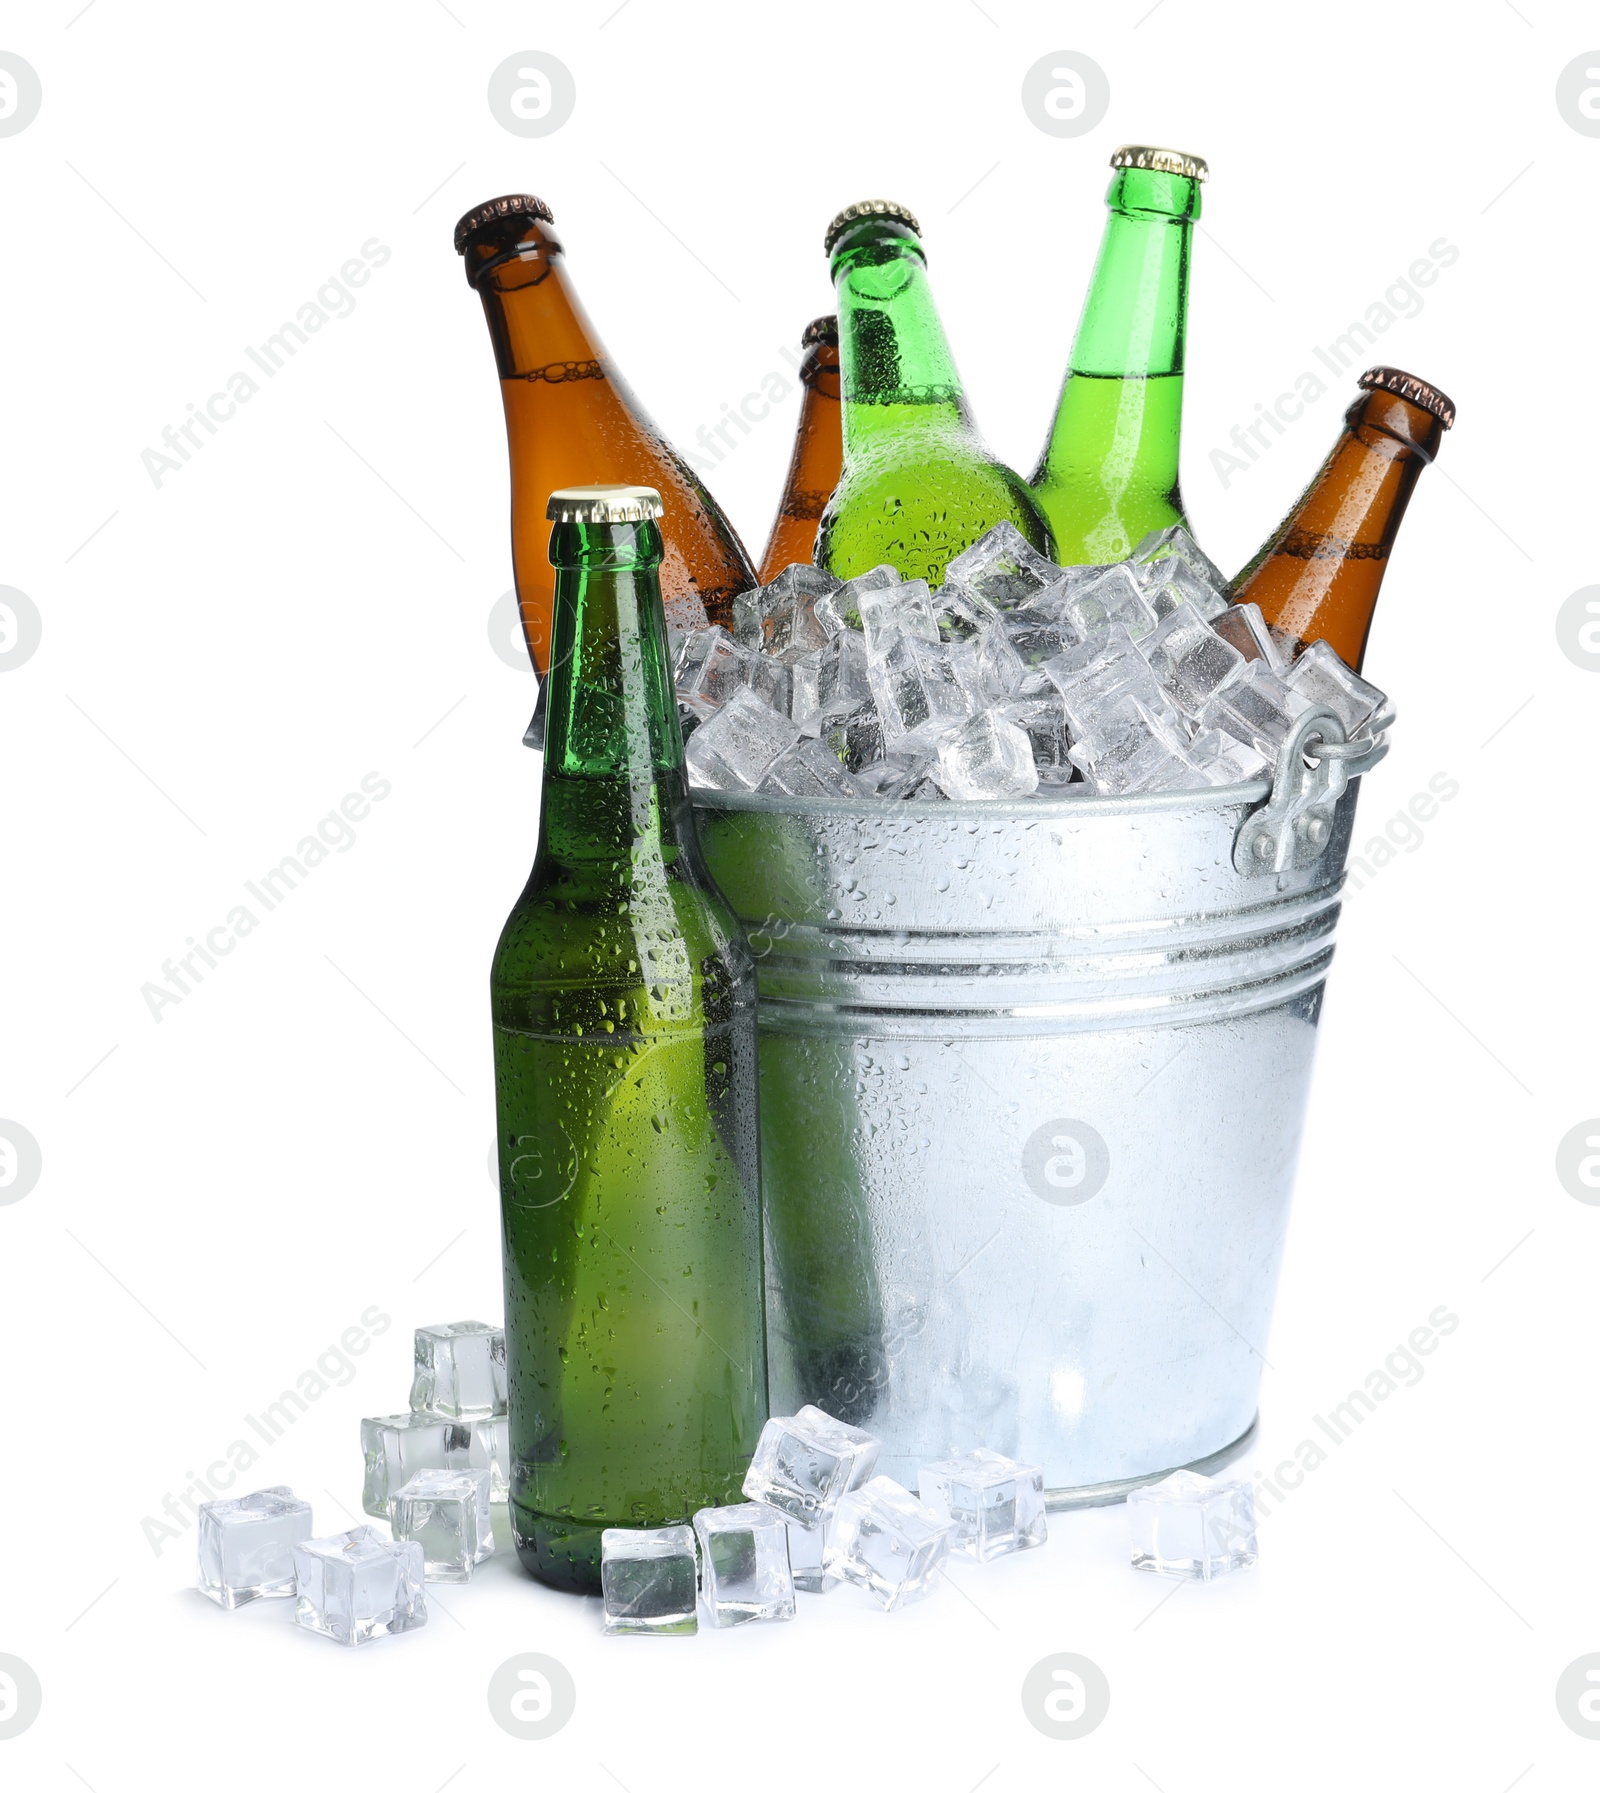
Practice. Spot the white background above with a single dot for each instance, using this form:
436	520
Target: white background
306	1134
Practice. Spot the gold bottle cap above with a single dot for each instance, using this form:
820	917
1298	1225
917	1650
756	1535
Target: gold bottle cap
1410	388
820	330
1163	161
867	208
603	504
509	205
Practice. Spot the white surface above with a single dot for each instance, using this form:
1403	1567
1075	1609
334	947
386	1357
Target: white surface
304	1137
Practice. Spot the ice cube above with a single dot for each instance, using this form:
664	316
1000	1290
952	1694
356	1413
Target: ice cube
1321	677
808	769
460	1370
995	1505
1220	759
806	1547
987	665
988	757
1095	675
895	776
489	1449
960	613
1256	707
1034	636
712	667
648	1579
744	1557
359	1585
1002	569
734	749
917	690
891	611
247	1546
1244	628
397	1445
782	614
446	1511
805	1462
1176	542
1169	582
1192	1527
1190	659
886	1541
1043	720
829	681
855	740
1134	749
841	609
1092	605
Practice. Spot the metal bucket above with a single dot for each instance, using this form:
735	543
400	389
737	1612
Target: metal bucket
1033	1077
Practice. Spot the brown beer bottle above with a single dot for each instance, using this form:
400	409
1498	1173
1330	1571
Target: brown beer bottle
818	452
1318	575
571	420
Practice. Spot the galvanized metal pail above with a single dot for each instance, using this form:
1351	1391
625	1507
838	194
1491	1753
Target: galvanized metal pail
1033	1077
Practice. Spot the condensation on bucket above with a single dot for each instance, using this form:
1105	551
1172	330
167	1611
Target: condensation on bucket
1033	1078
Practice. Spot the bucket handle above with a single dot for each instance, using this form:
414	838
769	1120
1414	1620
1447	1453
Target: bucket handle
1316	762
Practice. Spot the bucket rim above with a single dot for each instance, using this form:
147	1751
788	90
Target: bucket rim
1221	796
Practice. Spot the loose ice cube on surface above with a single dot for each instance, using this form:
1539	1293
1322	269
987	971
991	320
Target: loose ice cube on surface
649	1581
1002	569
1192	1527
397	1445
1169	582
446	1511
712	667
805	1462
247	1545
985	758
460	1370
1256	708
734	749
890	611
1190	659
995	1505
886	1541
806	1547
1091	605
917	690
744	1564
489	1449
359	1585
1244	628
809	769
1320	677
1176	541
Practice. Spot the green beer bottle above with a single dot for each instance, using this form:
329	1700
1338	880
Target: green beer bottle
1109	472
625	1088
918	484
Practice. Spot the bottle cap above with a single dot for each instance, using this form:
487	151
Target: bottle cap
867	208
509	205
1410	388
820	330
1163	161
603	504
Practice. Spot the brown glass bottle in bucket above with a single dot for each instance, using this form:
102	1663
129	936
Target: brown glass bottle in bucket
571	419
818	452
1318	575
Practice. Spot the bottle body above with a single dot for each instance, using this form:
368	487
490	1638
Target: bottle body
1109	471
1318	575
917	484
623	1000
571	418
818	456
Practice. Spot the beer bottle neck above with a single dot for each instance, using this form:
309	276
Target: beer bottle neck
537	323
1135	311
896	368
616	797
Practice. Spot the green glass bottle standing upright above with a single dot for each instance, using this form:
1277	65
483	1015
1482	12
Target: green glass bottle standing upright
918	483
625	1084
1109	472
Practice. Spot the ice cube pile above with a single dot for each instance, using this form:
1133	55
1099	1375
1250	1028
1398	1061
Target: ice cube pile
815	1518
1016	678
431	1474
